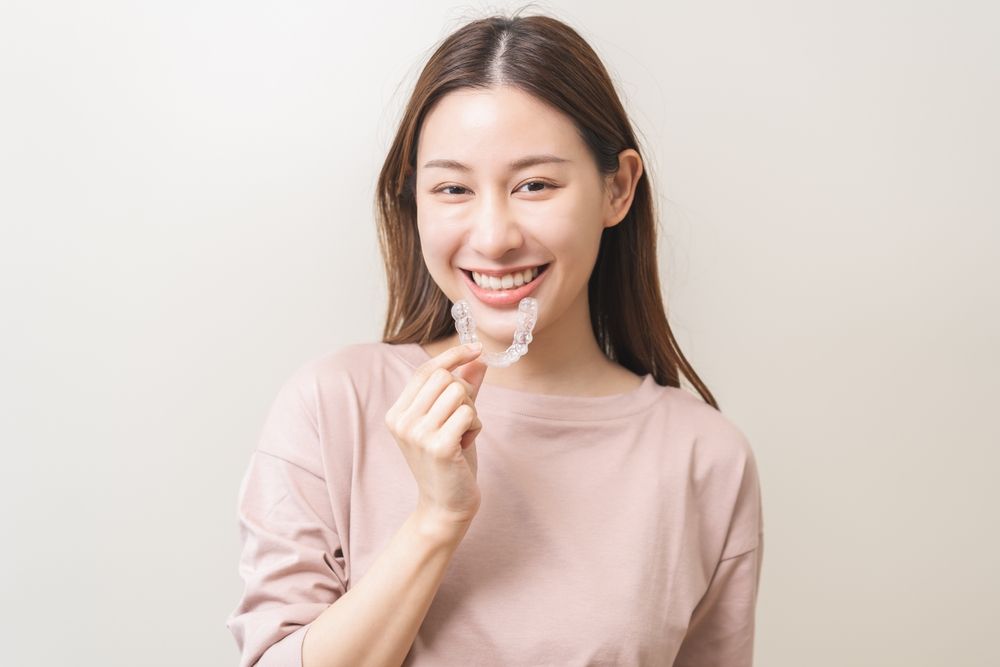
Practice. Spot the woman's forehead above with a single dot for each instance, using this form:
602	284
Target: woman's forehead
495	126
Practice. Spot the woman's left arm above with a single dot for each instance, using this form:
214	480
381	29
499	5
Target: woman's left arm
721	630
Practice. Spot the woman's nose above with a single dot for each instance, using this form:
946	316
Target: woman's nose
494	229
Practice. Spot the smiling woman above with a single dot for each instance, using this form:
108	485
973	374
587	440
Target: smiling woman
614	518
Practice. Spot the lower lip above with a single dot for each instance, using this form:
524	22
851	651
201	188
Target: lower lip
505	297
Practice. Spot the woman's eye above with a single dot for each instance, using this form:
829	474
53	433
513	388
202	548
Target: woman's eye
449	187
543	183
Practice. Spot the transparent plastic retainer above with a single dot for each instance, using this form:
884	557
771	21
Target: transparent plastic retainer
527	315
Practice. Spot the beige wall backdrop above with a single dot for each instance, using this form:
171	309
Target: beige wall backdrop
186	205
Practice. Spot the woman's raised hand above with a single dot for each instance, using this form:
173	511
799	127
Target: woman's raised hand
435	424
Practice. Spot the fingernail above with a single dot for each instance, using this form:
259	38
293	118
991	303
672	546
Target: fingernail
475	347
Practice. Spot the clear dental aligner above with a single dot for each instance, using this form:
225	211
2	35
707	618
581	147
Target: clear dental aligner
527	315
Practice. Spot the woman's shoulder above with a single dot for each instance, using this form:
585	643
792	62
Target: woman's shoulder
716	438
716	454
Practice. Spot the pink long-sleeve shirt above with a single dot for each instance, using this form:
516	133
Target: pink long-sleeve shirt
621	530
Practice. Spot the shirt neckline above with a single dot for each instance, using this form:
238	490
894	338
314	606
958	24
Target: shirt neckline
548	406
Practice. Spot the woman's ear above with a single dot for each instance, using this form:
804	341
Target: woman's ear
620	187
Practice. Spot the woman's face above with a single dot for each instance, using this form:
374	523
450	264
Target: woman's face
476	209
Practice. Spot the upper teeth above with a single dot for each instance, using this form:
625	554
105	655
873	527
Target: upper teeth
507	281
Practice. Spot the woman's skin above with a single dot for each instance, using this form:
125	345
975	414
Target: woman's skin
494	217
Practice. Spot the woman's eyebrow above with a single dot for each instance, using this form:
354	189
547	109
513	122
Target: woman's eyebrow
522	163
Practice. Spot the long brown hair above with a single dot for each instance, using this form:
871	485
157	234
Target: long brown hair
544	57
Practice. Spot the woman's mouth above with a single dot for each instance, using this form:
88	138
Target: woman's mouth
491	291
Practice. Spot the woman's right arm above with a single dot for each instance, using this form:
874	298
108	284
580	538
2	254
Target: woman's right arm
297	606
375	622
434	422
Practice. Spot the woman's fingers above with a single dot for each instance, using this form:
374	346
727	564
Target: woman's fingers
453	396
439	380
447	360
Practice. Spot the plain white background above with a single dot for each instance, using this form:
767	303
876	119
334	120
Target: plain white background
186	203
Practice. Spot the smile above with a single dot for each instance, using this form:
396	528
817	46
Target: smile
484	289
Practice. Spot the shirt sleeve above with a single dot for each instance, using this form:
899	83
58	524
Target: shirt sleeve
721	630
291	562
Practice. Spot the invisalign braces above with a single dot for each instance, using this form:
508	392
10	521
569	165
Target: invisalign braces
527	315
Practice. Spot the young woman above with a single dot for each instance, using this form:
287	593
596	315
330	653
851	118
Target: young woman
408	504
